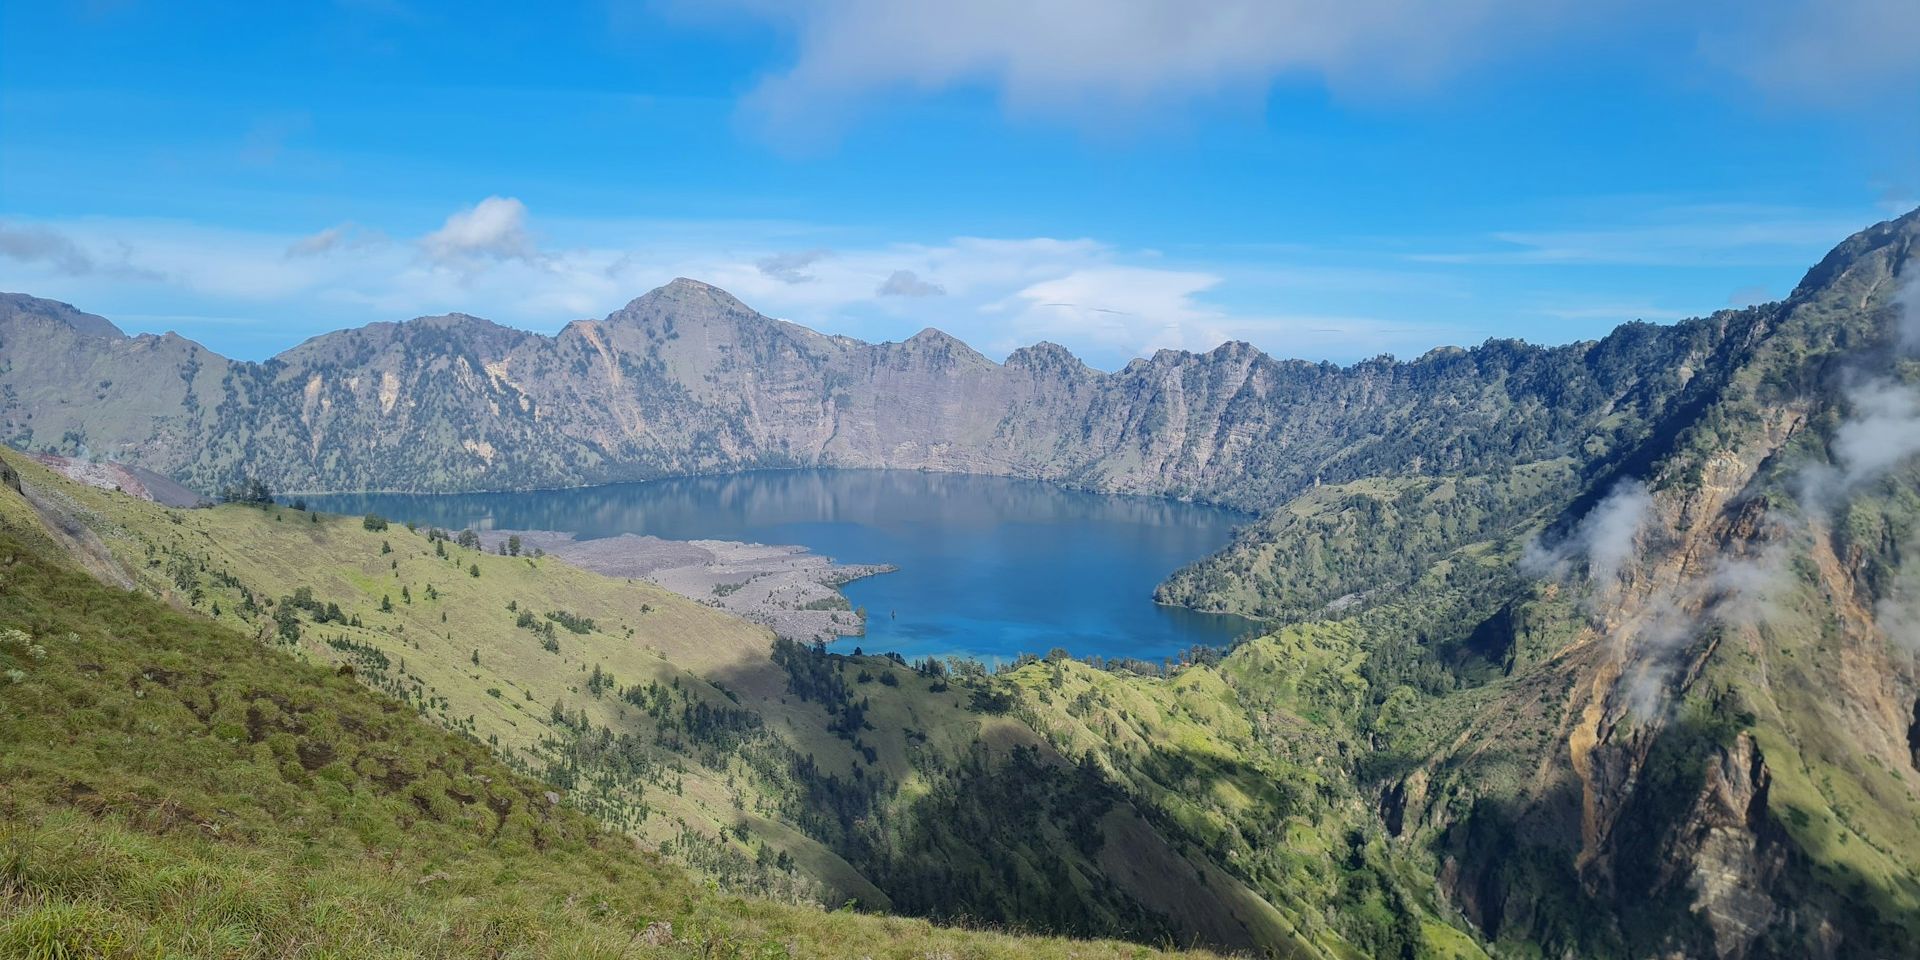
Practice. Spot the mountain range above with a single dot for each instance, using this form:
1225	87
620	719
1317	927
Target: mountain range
1604	649
687	379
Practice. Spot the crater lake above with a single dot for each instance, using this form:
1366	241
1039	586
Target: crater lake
988	567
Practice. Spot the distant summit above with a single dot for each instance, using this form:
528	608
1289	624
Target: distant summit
19	307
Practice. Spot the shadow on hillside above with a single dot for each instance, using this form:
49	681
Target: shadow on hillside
1009	833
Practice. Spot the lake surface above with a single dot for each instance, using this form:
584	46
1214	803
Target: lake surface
988	567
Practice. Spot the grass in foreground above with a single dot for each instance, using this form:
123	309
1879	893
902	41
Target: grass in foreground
171	788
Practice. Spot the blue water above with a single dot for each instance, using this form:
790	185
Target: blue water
988	567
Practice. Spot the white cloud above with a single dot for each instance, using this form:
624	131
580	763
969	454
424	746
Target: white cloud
1749	591
1093	59
494	228
1883	431
1606	538
1898	613
1882	427
40	245
1907	303
1125	310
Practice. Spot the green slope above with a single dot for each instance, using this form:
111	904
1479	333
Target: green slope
802	777
170	787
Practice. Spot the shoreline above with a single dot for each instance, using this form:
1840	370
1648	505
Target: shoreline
788	589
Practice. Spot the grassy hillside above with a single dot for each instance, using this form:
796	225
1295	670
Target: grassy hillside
1615	661
783	772
171	787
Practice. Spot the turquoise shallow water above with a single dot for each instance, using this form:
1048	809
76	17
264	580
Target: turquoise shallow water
989	567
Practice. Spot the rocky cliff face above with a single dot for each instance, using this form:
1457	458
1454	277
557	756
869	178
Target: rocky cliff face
67	377
1702	744
687	379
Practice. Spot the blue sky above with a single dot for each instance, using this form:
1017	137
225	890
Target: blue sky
1330	183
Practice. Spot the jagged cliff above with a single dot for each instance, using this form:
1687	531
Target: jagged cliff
687	379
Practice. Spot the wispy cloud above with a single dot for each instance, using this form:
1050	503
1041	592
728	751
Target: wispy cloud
1677	237
906	283
59	252
343	236
1604	540
1881	429
267	140
1879	432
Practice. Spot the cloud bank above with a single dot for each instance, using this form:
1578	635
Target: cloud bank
492	258
1086	60
1095	63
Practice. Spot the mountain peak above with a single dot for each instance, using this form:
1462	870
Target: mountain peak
454	321
1047	355
87	324
1884	247
684	294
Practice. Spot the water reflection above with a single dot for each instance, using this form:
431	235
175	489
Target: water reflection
989	567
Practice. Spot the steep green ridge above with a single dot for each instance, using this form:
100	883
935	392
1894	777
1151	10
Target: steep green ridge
1686	727
170	787
1710	749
